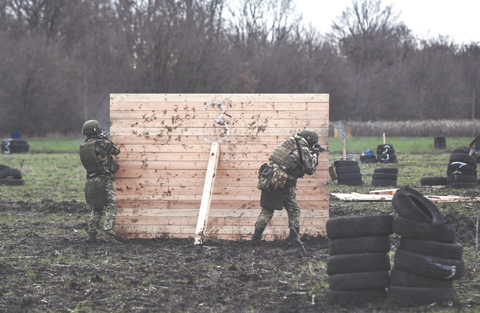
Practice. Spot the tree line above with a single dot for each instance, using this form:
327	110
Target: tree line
62	58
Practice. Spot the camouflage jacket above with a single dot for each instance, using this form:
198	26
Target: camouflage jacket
110	148
287	155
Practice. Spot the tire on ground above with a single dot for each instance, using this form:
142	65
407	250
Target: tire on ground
425	231
421	295
383	183
340	163
405	279
347	169
465	158
349	176
428	266
412	205
358	262
10	173
434	181
351	245
360	226
356	296
393	170
359	281
434	248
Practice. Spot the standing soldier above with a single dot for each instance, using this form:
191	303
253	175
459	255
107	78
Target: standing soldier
96	156
295	159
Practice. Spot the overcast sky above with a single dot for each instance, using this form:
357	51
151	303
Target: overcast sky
459	19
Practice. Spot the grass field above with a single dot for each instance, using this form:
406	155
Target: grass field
50	209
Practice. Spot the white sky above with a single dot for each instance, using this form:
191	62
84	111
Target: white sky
459	19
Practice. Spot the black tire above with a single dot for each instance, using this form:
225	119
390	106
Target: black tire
384	176
347	169
359	281
387	158
461	149
421	295
367	157
424	231
352	245
427	265
350	182
360	226
340	163
434	248
349	176
370	160
385	146
460	179
462	185
11	173
356	296
2	167
412	205
393	170
465	158
359	262
434	181
404	279
12	182
460	166
386	151
384	183
458	171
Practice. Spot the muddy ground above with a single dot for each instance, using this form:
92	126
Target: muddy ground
47	266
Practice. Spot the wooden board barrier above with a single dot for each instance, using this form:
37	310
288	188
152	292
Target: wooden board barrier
166	142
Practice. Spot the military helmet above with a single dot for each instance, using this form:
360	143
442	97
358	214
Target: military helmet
91	127
310	136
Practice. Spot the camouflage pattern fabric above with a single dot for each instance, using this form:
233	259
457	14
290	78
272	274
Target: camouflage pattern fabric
110	209
289	203
288	156
110	148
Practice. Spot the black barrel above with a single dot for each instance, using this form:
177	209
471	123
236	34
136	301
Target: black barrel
440	143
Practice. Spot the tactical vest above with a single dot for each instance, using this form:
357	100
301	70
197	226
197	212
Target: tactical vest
283	155
89	158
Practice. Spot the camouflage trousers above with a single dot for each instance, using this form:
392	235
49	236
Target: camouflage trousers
289	203
110	210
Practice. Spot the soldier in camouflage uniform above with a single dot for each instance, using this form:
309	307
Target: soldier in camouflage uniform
96	156
287	155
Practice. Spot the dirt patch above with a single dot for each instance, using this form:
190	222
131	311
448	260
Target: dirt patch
46	265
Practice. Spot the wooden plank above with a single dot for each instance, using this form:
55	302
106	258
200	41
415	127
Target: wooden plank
384	192
205	98
153	110
207	194
370	197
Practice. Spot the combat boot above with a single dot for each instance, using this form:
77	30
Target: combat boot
294	236
109	238
92	237
257	235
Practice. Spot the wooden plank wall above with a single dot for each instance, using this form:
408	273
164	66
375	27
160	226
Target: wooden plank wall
165	141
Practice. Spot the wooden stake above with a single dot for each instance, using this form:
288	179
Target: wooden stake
383	138
344	149
207	194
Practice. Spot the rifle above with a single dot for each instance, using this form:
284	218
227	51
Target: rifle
104	135
316	149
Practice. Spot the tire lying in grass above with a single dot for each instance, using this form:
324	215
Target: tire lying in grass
412	205
354	245
2	167
384	183
347	169
384	176
340	163
465	158
424	231
359	281
462	166
404	279
349	176
387	158
10	173
360	226
350	182
368	159
434	181
358	262
421	295
428	266
356	296
434	248
458	171
392	170
459	179
12	182
461	149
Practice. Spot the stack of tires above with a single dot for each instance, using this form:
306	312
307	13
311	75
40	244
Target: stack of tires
10	176
462	169
385	176
348	172
428	258
10	146
359	263
386	154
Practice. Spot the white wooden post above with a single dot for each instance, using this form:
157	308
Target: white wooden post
207	194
